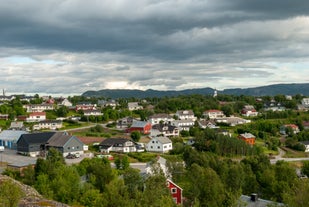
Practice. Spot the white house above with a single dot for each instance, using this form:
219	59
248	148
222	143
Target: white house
183	125
305	102
166	130
207	124
39	107
249	110
134	106
92	113
213	114
65	102
36	117
157	118
48	124
185	114
159	144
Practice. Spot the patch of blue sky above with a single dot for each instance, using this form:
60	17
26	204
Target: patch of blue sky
27	60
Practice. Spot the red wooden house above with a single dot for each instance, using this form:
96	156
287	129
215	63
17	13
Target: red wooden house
143	127
175	190
248	138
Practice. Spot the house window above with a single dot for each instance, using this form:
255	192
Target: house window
153	141
77	147
151	147
158	147
173	190
68	148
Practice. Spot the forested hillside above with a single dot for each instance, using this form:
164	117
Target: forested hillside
271	90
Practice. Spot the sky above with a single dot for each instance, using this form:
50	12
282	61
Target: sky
72	46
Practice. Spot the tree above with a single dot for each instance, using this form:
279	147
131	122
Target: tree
305	168
10	193
135	136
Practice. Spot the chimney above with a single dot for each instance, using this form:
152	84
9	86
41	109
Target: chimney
253	197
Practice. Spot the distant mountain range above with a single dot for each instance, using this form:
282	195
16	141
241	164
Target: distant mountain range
270	90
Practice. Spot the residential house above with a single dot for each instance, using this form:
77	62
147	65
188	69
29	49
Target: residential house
66	144
160	163
248	138
143	127
4	116
64	102
213	114
112	103
17	125
159	144
207	124
232	121
161	118
293	127
37	144
134	106
36	117
48	124
92	113
175	190
85	106
8	138
7	98
305	102
125	122
183	125
249	110
38	107
185	115
166	130
123	145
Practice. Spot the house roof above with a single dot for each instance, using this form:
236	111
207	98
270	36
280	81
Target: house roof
17	124
177	186
59	139
139	124
293	126
112	141
185	112
206	122
160	127
11	135
35	138
247	135
163	140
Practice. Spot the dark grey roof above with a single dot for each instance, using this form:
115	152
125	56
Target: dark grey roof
37	137
112	141
161	127
59	139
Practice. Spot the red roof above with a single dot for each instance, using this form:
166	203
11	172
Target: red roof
293	126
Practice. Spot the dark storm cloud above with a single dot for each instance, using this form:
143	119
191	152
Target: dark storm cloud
151	43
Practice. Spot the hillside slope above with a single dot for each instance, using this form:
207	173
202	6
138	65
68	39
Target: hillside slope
31	197
271	90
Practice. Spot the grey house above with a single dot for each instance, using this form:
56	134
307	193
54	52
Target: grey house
66	144
38	143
